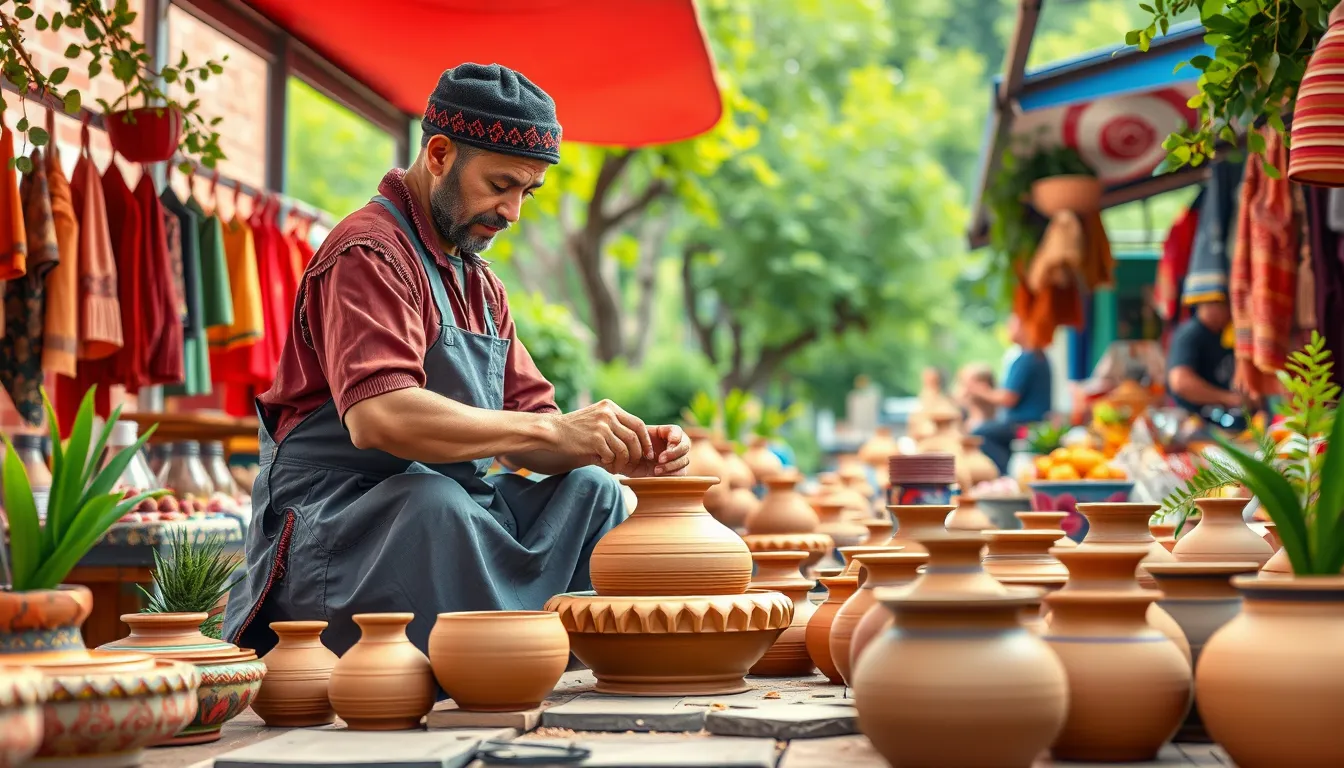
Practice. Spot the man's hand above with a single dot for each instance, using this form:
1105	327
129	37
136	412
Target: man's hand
607	436
672	453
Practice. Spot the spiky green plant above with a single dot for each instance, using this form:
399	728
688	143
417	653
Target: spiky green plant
736	410
773	420
192	579
703	410
81	505
1045	436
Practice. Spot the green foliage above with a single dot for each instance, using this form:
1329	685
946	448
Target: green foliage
1261	51
553	336
1045	436
334	159
193	579
703	410
661	388
80	508
736	410
774	419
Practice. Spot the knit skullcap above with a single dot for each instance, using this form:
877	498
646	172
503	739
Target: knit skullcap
494	108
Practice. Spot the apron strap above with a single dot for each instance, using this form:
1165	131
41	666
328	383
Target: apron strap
431	267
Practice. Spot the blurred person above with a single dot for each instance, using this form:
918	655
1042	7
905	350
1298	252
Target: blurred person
1200	366
978	410
1025	397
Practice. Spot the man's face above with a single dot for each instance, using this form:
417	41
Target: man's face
1215	314
481	194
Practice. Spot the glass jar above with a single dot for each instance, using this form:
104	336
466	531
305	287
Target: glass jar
137	474
218	468
158	456
184	473
29	450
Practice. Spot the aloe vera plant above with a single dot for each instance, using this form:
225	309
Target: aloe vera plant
82	504
703	410
736	410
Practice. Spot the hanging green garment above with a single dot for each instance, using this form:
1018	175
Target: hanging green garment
195	345
216	291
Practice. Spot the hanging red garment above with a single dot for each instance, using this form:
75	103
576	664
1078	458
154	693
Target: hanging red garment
277	292
165	361
1173	266
130	366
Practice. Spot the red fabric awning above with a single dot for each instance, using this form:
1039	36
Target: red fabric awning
622	72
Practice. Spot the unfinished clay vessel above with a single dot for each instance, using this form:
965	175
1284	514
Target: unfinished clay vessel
783	510
916	522
705	461
1023	554
830	512
1125	523
298	671
498	661
670	545
967	516
761	460
1046	521
383	683
1222	536
995	681
737	473
1129	685
818	636
779	571
22	692
881	569
879	532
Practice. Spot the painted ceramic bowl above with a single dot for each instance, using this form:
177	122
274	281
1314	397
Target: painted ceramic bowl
226	689
22	690
1066	495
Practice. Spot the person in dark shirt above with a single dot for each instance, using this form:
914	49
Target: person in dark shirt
1025	397
1199	367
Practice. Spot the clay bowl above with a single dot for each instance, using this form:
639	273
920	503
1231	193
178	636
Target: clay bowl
498	661
22	691
672	646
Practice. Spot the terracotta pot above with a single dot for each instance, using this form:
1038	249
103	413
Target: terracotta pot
383	683
955	567
1071	192
783	509
818	636
761	460
22	693
855	479
1222	536
298	671
994	680
1164	534
779	571
738	472
844	533
670	545
848	555
881	569
1271	536
816	545
498	661
1023	554
916	522
1125	523
145	134
672	646
853	500
967	516
705	461
1271	693
879	532
1046	521
1034	616
1278	567
1201	598
738	508
877	449
43	622
979	468
1129	685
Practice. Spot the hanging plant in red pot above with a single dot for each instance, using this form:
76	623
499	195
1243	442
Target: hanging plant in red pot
145	134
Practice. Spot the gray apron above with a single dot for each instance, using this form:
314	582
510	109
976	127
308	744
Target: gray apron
338	530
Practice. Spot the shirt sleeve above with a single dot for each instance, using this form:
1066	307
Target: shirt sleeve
1018	374
364	321
525	388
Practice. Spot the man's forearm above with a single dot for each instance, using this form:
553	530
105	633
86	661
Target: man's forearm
1192	387
544	462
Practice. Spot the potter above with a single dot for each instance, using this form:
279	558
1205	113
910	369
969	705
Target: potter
400	383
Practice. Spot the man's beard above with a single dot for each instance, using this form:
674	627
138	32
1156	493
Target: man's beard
453	221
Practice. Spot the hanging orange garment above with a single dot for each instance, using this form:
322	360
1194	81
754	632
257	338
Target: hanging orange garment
60	348
1044	311
13	236
1098	262
227	365
100	331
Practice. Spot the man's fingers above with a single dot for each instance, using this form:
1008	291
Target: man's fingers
630	441
640	430
674	467
677	444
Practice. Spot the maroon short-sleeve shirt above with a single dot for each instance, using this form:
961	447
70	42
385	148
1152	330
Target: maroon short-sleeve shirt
364	318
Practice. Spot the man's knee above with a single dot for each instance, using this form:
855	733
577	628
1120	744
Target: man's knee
595	483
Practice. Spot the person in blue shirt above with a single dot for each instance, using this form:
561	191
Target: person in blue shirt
1024	398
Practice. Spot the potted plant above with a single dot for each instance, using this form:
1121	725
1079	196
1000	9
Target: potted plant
38	614
1269	689
194	578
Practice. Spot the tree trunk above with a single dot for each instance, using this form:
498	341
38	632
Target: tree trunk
646	281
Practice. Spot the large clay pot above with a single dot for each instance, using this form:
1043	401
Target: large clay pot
830	512
670	545
916	522
1046	521
738	473
779	571
298	671
783	510
877	619
22	692
881	569
1222	536
818	635
879	532
920	694
761	460
705	461
1129	685
967	516
1023	554
383	683
1201	598
1125	523
498	661
42	623
1070	192
1270	684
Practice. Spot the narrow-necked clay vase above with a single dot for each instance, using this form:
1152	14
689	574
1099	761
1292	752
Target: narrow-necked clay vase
818	635
780	571
881	569
1164	534
498	661
705	461
1129	685
844	533
916	522
955	566
1222	536
961	664
783	510
852	567
761	460
967	516
1201	598
383	683
879	532
298	671
1125	523
978	467
1022	554
670	545
738	474
1045	521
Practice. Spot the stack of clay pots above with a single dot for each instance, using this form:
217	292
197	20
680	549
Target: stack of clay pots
785	522
671	613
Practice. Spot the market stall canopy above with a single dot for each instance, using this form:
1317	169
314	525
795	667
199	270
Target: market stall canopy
1115	107
622	73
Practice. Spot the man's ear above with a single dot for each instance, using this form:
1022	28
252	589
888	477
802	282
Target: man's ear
440	152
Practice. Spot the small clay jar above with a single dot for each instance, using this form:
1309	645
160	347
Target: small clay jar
852	567
879	532
705	461
1222	536
1129	685
780	572
783	510
1125	523
844	533
670	545
740	505
298	671
1023	554
967	516
974	464
1164	534
955	567
881	569
761	460
818	635
916	522
1046	521
498	661
383	683
737	473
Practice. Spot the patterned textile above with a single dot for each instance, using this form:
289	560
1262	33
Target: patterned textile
25	297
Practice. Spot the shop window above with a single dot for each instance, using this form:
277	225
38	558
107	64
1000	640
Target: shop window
334	158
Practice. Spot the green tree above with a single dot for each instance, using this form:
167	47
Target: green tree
558	342
334	158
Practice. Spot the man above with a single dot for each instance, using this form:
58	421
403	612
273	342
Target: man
1025	397
1199	367
402	380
